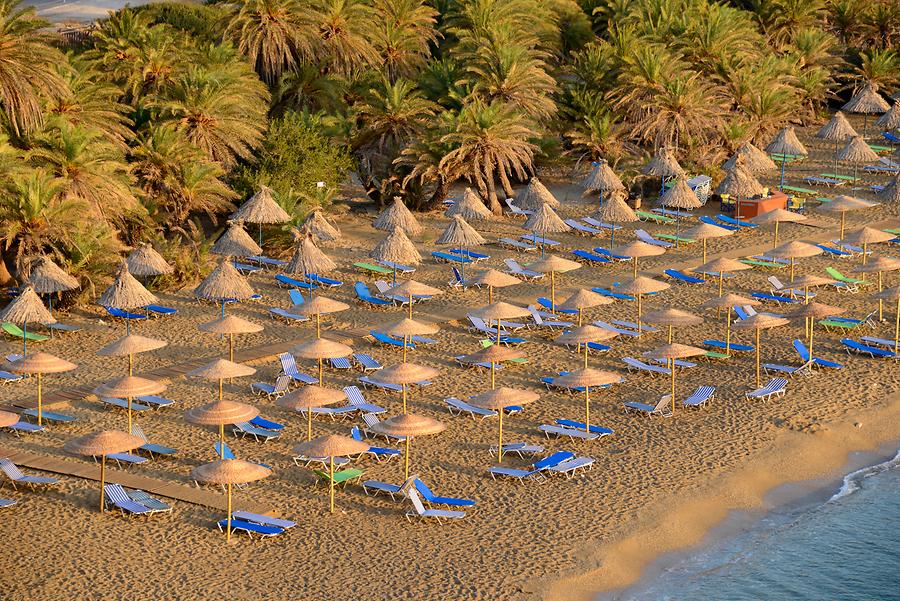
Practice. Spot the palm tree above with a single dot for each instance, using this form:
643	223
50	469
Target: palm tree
404	31
880	67
595	135
782	18
489	141
392	115
28	71
307	88
275	35
845	19
424	160
344	46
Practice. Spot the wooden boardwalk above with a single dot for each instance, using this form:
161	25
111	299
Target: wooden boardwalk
161	488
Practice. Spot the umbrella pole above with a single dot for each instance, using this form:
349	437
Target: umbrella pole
309	423
320	371
781	184
634	273
865	252
223	312
843	215
672	368
757	358
410	304
792	270
704	250
670	333
220	389
897	330
318	326
40	400
130	364
490	295
498	331
331	483
775	240
406	460
25	338
127	327
228	529
639	313
586	349
500	438
260	234
587	408
811	328
404	347
880	301
579	317
493	384
129	415
221	441
728	333
231	347
553	292
403	389
102	481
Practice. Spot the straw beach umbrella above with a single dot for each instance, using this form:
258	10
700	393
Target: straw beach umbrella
397	215
672	352
637	249
47	277
866	101
396	248
722	267
728	302
754	159
493	279
230	325
496	312
553	264
100	444
856	151
236	242
318	306
410	289
545	221
319	228
218	414
308	398
145	262
892	294
891	119
40	363
24	309
470	207
224	283
680	196
794	250
407	328
535	196
331	446
404	374
807	281
812	311
129	387
261	209
672	318
126	293
616	210
583	299
461	235
786	146
640	286
602	180
841	204
760	322
409	425
129	346
494	355
663	165
879	265
321	349
498	399
229	472
866	236
308	259
705	231
221	370
837	130
8	418
777	216
739	183
582	336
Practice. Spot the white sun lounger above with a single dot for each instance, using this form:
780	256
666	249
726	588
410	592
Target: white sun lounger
516	244
548	429
15	475
355	396
638	365
571	468
662	408
513	267
458	407
420	512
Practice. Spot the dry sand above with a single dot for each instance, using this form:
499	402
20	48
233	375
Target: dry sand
656	484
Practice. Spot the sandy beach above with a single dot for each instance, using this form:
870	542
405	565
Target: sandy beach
657	484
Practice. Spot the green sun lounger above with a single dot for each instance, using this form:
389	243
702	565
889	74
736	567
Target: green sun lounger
15	331
764	264
846	178
373	268
715	355
895	231
342	477
780	157
879	148
837	275
836	323
647	216
674	238
798	190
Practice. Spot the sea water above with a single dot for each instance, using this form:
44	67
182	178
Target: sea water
842	547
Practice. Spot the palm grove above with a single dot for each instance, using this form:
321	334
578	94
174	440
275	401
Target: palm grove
169	114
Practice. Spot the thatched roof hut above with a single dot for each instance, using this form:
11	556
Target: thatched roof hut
261	208
398	248
47	277
469	207
397	215
460	233
663	164
144	262
866	101
319	228
787	142
546	221
601	179
754	159
126	292
535	196
307	258
224	282
236	242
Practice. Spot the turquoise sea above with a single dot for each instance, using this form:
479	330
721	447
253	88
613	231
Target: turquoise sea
843	546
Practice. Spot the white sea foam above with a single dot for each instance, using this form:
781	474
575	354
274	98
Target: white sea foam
853	481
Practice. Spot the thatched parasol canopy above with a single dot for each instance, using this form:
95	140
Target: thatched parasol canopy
615	210
8	418
795	250
555	264
601	179
131	345
663	164
878	264
842	203
404	373
320	305
787	142
703	231
535	196
223	283
760	321
857	151
637	248
397	215
496	353
585	334
397	248
672	317
322	348
311	396
837	129
261	208
584	299
409	424
412	288
740	183
460	233
722	265
866	101
230	471
500	310
129	387
27	308
319	228
40	363
674	350
890	120
816	310
47	277
778	216
544	220
307	258
680	196
409	327
236	242
144	262
230	324
126	292
222	369
105	442
868	235
333	445
754	159
642	285
808	281
469	207
496	279
221	412
726	301
888	294
502	397
891	192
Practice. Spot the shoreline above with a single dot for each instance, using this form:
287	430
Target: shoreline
800	461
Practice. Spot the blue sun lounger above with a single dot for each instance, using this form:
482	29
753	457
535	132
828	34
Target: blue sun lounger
420	512
340	363
662	408
155	401
160	310
116	497
570	423
620	331
458	407
736	222
535	472
804	354
277	312
375	487
355	397
267	261
835	252
589	256
390	340
741	348
120	314
367	362
775	387
289	368
378	453
606	253
50	416
535	239
398	267
545	302
636	364
682	277
148	446
323	281
571	433
611	294
433	499
15	475
7	377
851	345
289	282
363	294
582	228
264	520
700	397
644	236
261	422
123	404
469	254
250	528
451	258
21	427
777	298
246	268
725	226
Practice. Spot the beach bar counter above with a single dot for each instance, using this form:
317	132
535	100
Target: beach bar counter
751	207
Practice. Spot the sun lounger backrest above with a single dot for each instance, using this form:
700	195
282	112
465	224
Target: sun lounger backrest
422	488
663	404
801	350
413	496
11	469
554	459
117	494
370	419
136	430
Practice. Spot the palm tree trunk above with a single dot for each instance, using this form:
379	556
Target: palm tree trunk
440	193
495	207
5	277
504	181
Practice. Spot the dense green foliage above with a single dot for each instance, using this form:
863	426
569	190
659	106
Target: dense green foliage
170	114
